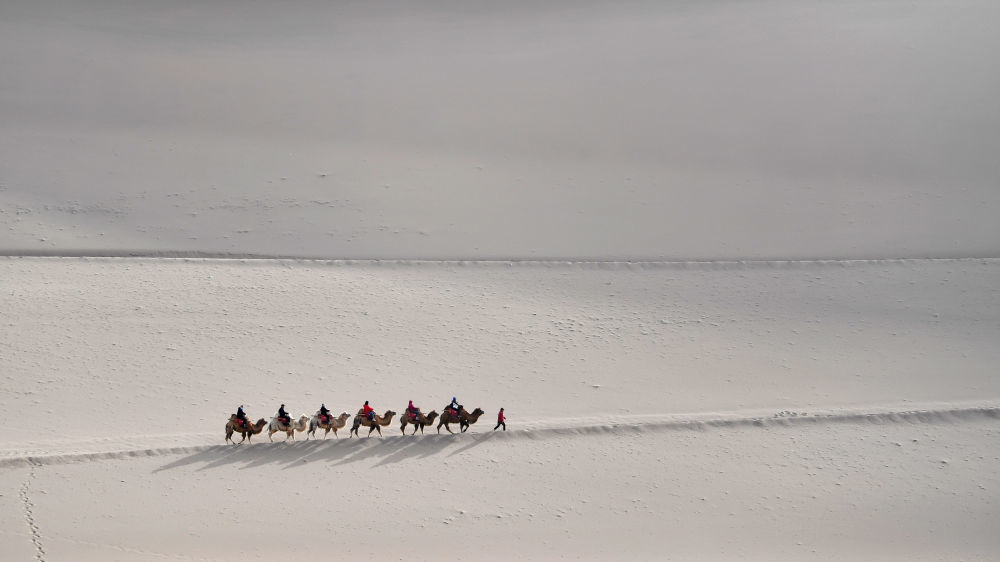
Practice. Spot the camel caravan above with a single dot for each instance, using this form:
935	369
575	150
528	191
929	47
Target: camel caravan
323	419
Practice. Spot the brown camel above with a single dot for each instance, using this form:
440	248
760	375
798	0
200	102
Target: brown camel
247	431
418	423
289	429
334	424
463	419
362	420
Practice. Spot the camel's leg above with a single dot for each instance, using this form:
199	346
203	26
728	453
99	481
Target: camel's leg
269	434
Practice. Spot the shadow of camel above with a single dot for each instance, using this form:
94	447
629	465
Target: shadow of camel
385	451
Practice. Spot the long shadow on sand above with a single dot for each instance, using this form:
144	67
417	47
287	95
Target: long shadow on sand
333	452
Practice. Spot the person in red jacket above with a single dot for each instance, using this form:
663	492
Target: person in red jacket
500	420
369	411
412	410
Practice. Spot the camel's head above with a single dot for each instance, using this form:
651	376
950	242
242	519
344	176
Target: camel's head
432	415
478	412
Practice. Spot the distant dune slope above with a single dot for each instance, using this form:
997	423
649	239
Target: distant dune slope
398	129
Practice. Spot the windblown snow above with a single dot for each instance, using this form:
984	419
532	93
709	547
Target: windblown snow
731	269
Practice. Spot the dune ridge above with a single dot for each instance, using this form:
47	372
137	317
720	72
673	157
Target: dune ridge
603	263
545	428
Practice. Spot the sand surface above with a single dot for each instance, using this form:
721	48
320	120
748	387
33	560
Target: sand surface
671	411
731	268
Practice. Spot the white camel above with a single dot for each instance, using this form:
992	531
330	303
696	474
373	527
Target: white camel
277	425
332	424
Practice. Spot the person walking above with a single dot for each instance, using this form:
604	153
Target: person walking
500	420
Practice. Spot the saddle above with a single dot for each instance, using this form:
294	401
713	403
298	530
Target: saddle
324	418
286	421
240	422
413	416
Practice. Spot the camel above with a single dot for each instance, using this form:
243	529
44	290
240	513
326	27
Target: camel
335	423
463	419
247	431
290	428
418	423
361	419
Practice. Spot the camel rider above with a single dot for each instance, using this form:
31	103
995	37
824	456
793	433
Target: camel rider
283	415
369	411
241	415
324	413
413	410
455	406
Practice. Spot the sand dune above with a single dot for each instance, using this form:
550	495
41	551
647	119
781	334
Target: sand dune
680	130
826	491
731	268
119	449
741	409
